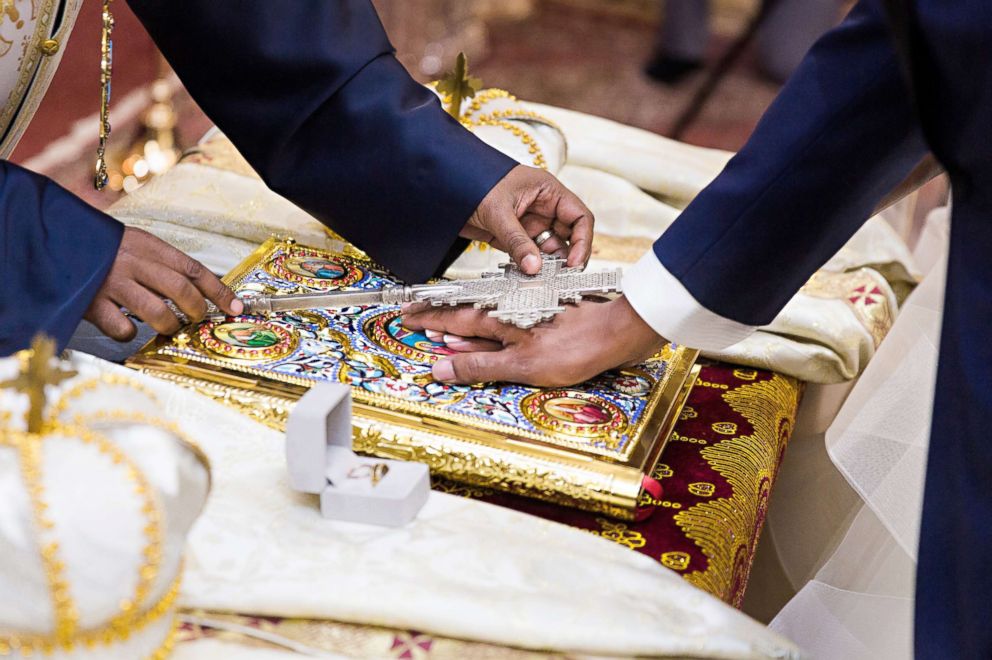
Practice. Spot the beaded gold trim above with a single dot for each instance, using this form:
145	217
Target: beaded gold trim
152	552
88	385
500	118
27	645
532	147
63	607
134	417
483	97
130	417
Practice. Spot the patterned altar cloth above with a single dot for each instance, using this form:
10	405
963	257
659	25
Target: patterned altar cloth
717	473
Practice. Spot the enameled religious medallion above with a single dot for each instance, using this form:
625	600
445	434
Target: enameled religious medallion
386	330
315	269
245	338
574	412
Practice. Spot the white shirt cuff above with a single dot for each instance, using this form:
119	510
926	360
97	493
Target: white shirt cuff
660	299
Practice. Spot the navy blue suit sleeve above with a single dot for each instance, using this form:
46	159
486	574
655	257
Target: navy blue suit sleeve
840	135
56	250
310	92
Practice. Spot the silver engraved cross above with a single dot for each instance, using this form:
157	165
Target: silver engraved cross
521	299
526	300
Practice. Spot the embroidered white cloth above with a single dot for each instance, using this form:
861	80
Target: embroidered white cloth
463	569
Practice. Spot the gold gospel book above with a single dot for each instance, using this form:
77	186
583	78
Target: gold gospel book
592	446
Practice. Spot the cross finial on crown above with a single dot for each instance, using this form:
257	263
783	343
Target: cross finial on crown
457	86
37	372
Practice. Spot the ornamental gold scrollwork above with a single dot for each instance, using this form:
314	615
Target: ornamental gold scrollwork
488	471
43	13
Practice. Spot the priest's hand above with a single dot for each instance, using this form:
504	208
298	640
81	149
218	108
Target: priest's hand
147	270
583	341
525	203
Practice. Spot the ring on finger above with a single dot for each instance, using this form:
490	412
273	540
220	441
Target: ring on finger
174	308
543	237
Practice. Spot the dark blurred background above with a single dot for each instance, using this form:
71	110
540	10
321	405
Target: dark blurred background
588	55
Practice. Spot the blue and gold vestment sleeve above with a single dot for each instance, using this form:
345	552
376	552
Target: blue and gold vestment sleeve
840	136
311	94
56	252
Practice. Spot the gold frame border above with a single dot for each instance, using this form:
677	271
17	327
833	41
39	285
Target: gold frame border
604	482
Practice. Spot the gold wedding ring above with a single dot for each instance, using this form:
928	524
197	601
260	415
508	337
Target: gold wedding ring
374	472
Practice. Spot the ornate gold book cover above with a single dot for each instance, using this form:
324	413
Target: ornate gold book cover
591	446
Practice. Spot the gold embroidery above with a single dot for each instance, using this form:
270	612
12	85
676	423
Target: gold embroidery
29	60
688	413
220	153
702	488
620	533
725	428
678	437
321	637
706	383
647	499
726	528
746	374
662	471
863	291
675	560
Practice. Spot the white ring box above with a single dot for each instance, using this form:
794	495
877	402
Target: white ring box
320	461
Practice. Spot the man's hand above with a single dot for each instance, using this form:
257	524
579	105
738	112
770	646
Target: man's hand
525	203
586	340
147	270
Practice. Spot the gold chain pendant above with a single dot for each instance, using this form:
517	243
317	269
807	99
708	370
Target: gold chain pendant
106	68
